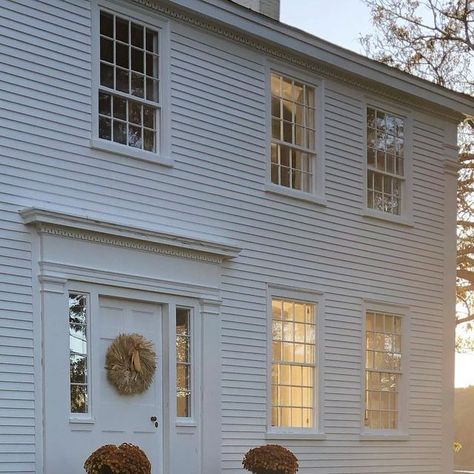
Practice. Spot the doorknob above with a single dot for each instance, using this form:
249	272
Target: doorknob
153	418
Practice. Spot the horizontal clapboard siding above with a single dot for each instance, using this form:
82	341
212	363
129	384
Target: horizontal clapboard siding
218	142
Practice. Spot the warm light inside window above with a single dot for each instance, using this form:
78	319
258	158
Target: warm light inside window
183	362
293	363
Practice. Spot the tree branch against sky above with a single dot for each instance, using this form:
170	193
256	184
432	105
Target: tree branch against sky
434	39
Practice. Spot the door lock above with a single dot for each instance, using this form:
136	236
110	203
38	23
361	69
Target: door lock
154	420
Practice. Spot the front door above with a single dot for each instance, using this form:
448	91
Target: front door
72	433
137	418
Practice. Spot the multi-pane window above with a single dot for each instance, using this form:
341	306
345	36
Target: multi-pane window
129	101
183	362
385	161
78	356
383	370
293	148
293	363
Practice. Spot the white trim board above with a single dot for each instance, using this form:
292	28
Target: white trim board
47	220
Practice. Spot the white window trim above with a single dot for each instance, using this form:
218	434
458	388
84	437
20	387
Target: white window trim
306	296
137	14
400	434
317	193
86	418
406	215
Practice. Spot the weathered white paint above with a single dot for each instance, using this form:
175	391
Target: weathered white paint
217	193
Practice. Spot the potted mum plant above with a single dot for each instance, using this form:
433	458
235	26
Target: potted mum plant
270	459
124	459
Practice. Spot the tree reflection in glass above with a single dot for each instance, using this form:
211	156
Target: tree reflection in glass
78	363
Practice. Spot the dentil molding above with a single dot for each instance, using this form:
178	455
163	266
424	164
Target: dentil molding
118	234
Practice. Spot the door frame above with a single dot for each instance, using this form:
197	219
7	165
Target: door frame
171	426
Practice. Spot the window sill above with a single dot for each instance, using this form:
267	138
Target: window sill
403	221
123	150
81	421
294	194
384	437
81	424
295	436
180	423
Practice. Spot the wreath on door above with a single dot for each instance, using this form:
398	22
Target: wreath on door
130	363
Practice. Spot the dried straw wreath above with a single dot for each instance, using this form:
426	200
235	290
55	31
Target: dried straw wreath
123	459
130	363
270	459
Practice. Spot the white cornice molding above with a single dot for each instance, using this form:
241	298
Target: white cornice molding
121	235
363	80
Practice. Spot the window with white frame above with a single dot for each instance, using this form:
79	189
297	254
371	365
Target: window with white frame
183	363
383	370
293	147
293	363
78	354
385	161
128	96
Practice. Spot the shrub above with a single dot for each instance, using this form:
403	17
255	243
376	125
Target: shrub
270	459
124	459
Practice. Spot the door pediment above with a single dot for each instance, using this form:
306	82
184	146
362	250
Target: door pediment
74	245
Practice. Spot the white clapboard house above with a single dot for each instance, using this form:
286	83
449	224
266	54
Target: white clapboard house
275	213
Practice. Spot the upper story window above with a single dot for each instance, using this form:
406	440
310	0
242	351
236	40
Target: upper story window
383	370
293	364
129	86
293	147
385	161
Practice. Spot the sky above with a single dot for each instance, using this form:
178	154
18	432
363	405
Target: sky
342	22
338	21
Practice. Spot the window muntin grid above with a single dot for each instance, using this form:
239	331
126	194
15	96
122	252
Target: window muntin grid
183	363
293	363
293	133
383	370
129	83
78	353
385	161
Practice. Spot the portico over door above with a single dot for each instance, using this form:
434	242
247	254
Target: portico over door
126	280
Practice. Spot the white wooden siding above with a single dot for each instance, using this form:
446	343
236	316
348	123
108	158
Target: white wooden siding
216	188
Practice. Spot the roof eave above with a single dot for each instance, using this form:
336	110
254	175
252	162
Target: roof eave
301	43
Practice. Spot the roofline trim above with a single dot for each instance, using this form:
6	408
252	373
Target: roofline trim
307	51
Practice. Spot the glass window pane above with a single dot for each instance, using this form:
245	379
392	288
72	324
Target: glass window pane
105	104
120	132
138	85
121	55
106	24
105	128
137	60
79	399
107	76
183	362
149	143
106	50
78	353
122	80
121	29
137	35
